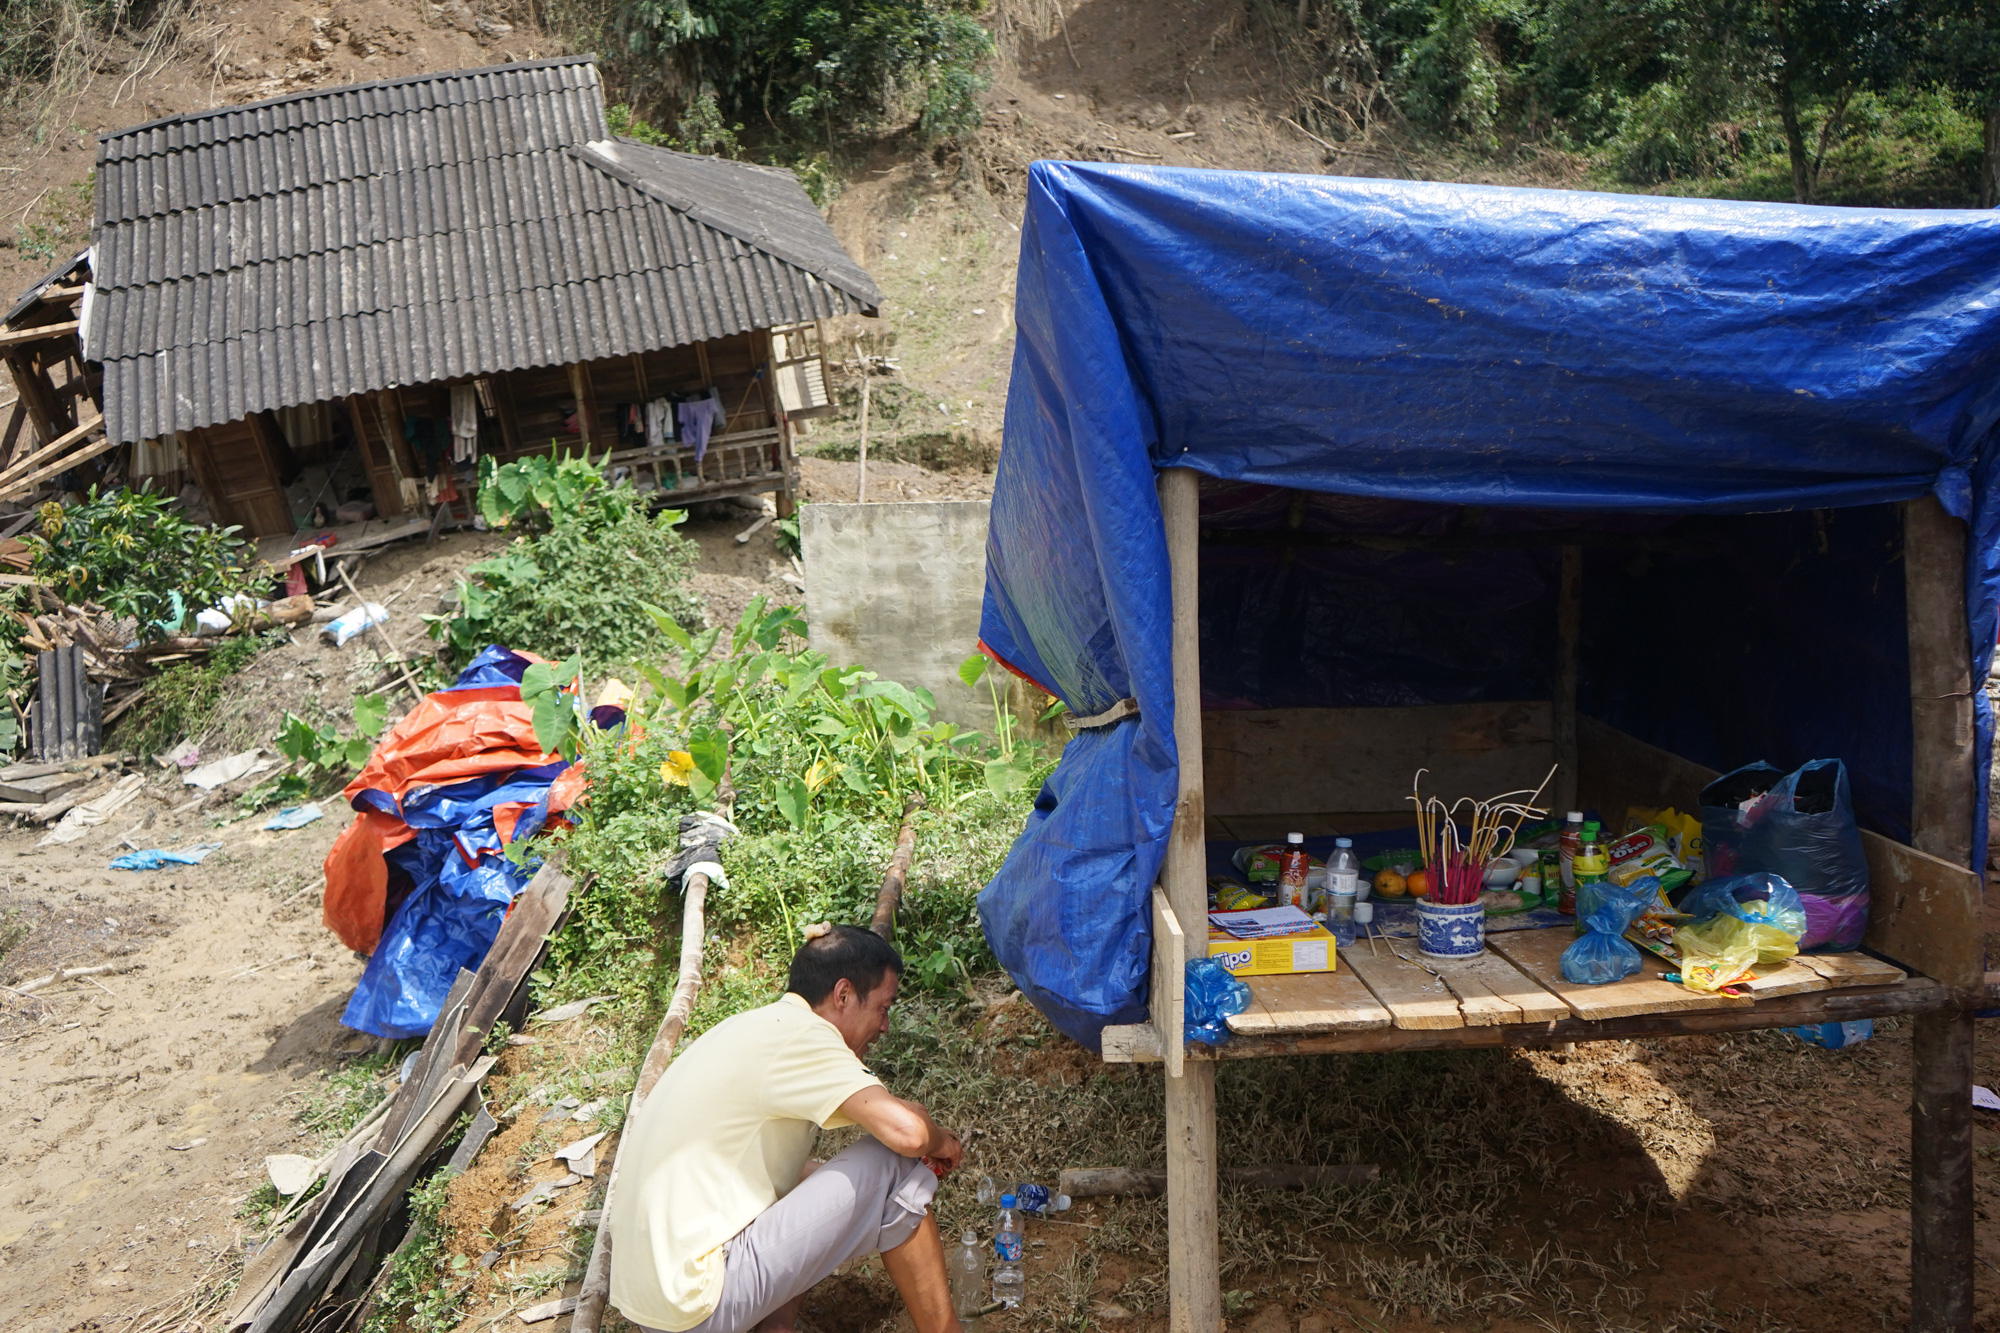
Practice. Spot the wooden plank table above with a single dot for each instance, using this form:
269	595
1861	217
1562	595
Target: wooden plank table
1393	998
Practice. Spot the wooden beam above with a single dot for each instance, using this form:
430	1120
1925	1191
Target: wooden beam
503	410
45	414
15	420
22	485
585	393
38	332
1569	637
48	452
1166	1002
1194	1275
1941	1200
1944	777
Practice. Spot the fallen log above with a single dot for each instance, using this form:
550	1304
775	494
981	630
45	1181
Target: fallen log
898	872
1144	1183
69	974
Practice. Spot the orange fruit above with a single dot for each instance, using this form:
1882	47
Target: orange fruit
1419	883
1390	884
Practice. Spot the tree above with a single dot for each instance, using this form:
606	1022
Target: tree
1957	44
1829	50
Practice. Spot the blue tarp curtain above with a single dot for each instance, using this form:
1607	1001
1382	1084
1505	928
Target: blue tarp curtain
1751	376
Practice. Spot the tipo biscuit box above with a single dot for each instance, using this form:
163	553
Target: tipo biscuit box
1269	949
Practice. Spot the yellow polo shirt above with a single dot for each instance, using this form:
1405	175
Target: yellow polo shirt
724	1135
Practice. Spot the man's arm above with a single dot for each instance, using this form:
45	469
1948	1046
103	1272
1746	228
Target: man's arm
902	1127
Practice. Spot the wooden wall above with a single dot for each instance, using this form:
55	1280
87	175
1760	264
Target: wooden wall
237	467
539	401
1288	762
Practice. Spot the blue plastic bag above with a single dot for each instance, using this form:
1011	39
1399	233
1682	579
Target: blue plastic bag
1602	954
1834	1036
1761	899
1212	996
1799	826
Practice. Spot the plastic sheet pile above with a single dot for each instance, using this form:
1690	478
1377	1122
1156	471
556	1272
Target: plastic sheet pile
420	881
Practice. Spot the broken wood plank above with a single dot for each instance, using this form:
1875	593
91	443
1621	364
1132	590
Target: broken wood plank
1334	1001
1787	978
1492	991
1538	953
1413	997
35	333
1851	969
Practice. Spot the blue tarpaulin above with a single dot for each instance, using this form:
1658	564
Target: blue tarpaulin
1756	378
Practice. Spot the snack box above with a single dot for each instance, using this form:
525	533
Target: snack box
1276	955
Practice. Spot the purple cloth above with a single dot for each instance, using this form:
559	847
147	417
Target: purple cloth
697	418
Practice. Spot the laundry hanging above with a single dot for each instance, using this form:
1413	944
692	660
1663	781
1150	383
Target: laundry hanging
697	418
464	423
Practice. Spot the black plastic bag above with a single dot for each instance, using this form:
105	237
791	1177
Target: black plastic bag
1800	827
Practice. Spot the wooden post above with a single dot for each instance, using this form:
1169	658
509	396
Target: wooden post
861	483
1944	772
1569	635
503	412
1942	803
586	406
1194	1276
1941	1172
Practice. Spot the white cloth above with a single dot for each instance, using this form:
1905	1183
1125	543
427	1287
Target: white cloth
464	423
659	422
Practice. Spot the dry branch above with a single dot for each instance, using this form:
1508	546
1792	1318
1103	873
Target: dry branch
898	873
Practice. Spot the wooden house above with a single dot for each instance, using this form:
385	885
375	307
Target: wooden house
345	295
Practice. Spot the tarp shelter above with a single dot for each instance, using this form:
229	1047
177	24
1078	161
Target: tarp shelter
1747	449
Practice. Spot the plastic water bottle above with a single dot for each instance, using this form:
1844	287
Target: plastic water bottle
1039	1200
968	1278
985	1193
1010	1284
1343	880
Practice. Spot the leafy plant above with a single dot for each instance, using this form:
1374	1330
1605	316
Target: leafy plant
133	554
553	692
1008	770
575	584
319	748
424	1291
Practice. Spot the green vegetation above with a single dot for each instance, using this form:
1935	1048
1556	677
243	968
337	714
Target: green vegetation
135	555
422	1291
180	700
591	556
1832	101
58	224
810	70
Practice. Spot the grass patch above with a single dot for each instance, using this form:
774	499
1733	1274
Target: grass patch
181	700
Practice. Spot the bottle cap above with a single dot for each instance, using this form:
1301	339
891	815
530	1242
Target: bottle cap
1295	837
1006	1201
1343	842
1062	1203
970	1237
1592	829
1576	816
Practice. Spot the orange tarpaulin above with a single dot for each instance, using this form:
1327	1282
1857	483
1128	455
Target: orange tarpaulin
451	736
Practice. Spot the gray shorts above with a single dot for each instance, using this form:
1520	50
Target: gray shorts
864	1201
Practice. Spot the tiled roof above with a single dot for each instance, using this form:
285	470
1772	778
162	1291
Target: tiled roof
360	238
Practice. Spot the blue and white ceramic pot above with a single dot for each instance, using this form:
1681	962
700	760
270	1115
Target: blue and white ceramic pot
1450	930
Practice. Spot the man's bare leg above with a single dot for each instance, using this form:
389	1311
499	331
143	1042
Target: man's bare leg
917	1268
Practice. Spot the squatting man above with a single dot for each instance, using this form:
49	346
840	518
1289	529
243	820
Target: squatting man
722	1224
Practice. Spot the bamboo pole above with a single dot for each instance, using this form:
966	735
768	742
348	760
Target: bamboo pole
596	1290
861	485
898	872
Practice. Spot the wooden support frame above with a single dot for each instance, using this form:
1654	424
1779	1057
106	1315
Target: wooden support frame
1194	1279
1925	913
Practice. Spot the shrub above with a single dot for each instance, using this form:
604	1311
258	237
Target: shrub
577	581
133	554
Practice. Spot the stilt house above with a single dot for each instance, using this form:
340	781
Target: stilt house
347	295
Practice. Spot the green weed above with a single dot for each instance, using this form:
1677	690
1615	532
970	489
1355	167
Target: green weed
425	1291
179	702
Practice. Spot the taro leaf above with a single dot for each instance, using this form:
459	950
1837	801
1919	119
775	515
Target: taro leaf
555	723
856	779
1006	776
370	712
972	668
701	786
710	751
793	800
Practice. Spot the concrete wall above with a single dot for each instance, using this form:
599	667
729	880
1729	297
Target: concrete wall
896	588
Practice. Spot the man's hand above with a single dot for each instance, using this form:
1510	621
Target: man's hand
901	1126
947	1155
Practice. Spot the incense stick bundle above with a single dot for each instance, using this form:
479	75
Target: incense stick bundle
1458	859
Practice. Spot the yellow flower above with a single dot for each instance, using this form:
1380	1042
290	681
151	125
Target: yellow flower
675	771
819	774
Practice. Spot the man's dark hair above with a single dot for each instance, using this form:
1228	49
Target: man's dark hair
862	956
